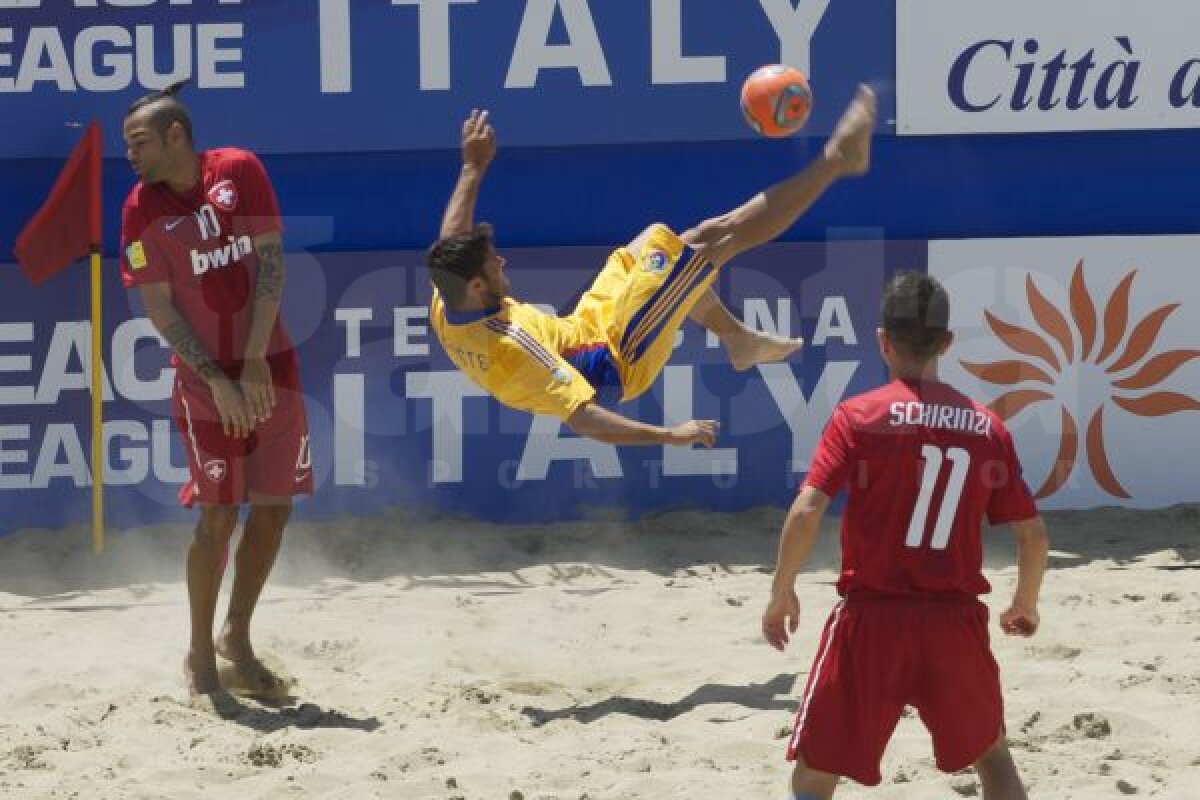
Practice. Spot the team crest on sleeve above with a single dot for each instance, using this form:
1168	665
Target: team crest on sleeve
656	261
224	195
135	254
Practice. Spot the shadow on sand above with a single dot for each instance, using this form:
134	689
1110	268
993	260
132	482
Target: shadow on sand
772	695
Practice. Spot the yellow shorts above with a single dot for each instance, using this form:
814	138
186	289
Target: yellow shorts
640	303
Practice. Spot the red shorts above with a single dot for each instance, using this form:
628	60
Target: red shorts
880	654
274	461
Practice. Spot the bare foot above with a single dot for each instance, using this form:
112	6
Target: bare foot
200	674
249	676
233	647
219	703
850	144
755	347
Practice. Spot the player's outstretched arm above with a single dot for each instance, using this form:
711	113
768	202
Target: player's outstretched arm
596	422
771	212
1033	545
800	528
478	150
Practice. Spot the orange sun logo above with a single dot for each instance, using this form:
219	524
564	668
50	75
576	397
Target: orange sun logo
1119	378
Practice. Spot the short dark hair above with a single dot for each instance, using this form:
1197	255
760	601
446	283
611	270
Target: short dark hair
454	260
166	111
915	314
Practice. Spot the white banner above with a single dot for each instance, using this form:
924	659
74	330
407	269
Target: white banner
1090	347
968	66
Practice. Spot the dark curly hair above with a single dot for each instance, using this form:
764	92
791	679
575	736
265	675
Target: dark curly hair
454	260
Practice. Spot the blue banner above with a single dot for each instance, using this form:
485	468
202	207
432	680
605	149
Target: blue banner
394	424
335	76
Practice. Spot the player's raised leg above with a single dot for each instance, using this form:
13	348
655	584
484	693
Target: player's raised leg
998	774
744	345
771	212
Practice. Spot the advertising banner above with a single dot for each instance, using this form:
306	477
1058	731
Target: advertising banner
393	423
1088	347
335	76
968	66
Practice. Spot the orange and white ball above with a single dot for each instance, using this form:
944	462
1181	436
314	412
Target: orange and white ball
776	100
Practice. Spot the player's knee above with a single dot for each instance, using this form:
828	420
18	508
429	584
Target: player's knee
271	516
217	523
809	784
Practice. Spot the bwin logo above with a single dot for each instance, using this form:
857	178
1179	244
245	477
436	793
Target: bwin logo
234	250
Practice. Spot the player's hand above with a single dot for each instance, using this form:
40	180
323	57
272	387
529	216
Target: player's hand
236	420
781	619
697	431
257	388
850	145
478	140
1020	620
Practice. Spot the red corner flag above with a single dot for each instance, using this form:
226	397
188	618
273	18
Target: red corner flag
67	226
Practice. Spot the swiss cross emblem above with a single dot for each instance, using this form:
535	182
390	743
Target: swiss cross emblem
224	195
215	470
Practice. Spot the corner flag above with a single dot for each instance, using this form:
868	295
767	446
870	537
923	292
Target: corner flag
66	228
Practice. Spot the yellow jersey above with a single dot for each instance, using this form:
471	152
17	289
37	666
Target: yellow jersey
515	352
610	348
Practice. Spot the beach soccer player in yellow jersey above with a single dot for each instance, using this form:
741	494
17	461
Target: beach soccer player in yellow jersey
615	342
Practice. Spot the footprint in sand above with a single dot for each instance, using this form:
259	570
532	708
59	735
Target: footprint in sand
26	756
473	694
329	648
266	754
1054	652
1091	725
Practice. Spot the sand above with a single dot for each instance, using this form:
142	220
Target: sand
444	658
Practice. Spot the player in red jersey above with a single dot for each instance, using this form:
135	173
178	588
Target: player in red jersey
200	238
923	465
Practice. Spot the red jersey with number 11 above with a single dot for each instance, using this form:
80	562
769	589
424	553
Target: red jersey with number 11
923	464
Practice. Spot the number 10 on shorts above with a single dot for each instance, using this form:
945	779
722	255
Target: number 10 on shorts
960	461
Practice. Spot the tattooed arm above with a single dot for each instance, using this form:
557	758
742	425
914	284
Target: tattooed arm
231	406
256	382
268	293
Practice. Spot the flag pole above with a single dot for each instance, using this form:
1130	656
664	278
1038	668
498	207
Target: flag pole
95	224
98	455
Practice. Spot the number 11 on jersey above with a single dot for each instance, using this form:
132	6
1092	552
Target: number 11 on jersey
960	461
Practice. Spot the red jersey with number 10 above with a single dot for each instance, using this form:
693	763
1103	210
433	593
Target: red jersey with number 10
923	464
201	243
